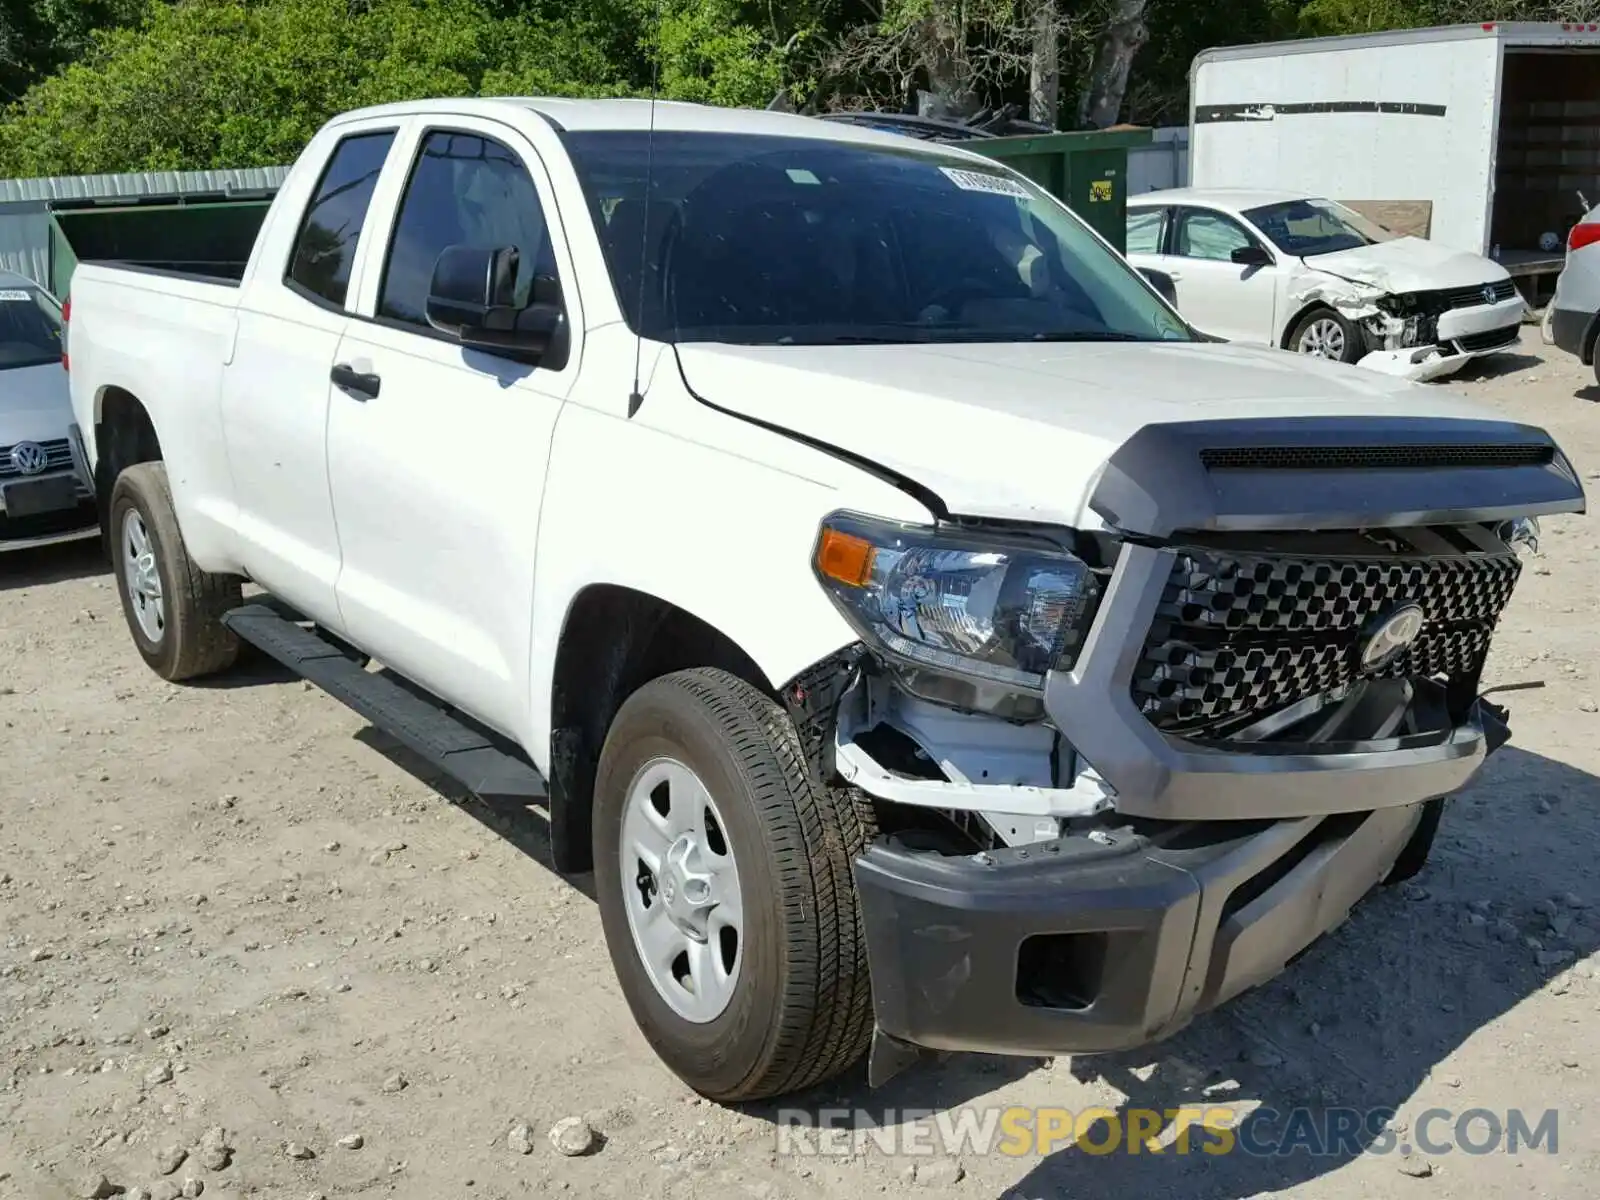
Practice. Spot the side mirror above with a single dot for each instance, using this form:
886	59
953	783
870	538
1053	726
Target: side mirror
1162	282
472	299
1251	256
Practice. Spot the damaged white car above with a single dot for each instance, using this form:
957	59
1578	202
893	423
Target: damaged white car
1310	275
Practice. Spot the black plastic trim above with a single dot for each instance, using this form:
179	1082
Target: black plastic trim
1191	916
1573	332
1210	114
1156	484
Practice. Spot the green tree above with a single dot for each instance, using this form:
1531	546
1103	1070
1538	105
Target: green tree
214	83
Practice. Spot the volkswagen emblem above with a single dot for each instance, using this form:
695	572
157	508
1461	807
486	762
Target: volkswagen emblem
1391	636
1489	296
29	458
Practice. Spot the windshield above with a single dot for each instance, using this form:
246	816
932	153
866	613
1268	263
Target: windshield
765	240
1309	227
30	328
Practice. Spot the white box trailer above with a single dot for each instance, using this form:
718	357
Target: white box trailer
1486	133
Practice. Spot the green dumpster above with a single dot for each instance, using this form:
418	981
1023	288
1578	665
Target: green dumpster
209	234
1088	171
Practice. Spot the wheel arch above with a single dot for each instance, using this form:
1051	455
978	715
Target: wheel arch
124	434
614	640
1304	311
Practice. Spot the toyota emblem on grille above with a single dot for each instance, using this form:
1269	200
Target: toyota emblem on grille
29	458
1489	296
1391	637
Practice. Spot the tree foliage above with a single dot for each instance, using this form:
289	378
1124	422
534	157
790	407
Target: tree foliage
111	85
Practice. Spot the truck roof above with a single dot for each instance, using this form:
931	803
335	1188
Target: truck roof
636	114
1512	33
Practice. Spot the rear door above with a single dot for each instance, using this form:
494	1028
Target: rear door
438	467
276	390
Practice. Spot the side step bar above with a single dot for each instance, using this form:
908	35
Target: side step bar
427	728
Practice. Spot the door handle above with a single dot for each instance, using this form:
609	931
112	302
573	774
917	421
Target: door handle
361	385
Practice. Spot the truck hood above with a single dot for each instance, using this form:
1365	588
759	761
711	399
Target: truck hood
1409	264
1022	431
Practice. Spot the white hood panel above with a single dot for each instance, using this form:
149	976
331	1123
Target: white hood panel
1409	264
1022	431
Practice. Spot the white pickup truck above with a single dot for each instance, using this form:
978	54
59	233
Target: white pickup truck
928	640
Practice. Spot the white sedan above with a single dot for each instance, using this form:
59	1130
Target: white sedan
1310	275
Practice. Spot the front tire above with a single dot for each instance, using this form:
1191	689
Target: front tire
1324	333
707	818
174	609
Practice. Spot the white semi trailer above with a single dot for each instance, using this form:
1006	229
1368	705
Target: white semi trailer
1490	132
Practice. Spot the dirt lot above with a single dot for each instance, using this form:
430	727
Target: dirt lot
235	906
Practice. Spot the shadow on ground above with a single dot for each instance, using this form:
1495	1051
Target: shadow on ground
21	569
1493	366
1362	1020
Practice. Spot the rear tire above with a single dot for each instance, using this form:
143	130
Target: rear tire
173	608
1324	333
795	1004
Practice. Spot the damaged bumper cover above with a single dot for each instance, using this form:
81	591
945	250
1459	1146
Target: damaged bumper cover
1085	946
1425	335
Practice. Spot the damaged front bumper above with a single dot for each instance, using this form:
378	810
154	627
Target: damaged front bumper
1213	850
1085	945
1434	345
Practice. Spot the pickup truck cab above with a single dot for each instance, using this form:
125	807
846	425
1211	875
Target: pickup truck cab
928	640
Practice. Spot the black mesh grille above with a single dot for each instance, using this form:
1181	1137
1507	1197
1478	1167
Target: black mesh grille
1491	340
1356	458
1239	635
21	529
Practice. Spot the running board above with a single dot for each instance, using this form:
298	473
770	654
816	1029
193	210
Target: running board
425	727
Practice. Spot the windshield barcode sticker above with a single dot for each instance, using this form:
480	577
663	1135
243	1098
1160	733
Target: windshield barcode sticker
14	294
982	181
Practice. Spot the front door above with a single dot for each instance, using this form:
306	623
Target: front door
1216	294
438	455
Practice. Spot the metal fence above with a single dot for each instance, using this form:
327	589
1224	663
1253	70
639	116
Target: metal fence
24	204
1164	163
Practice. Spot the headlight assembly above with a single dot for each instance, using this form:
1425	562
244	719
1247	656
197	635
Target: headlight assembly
995	613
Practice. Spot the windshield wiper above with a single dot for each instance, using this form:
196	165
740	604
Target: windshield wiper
1090	335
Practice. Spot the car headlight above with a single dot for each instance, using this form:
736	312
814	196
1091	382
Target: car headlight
999	612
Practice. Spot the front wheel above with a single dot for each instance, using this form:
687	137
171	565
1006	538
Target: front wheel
1324	333
174	609
724	879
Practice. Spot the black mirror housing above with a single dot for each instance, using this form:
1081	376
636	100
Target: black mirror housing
1251	256
473	299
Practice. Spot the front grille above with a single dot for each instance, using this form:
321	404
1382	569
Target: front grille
1492	340
1373	458
1473	297
56	450
1243	632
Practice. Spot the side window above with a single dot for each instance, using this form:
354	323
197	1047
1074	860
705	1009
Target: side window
464	190
1210	236
325	249
1146	228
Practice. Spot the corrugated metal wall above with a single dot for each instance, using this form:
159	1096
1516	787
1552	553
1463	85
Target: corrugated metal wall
25	227
1162	164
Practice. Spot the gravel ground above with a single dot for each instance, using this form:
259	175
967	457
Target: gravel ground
247	949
